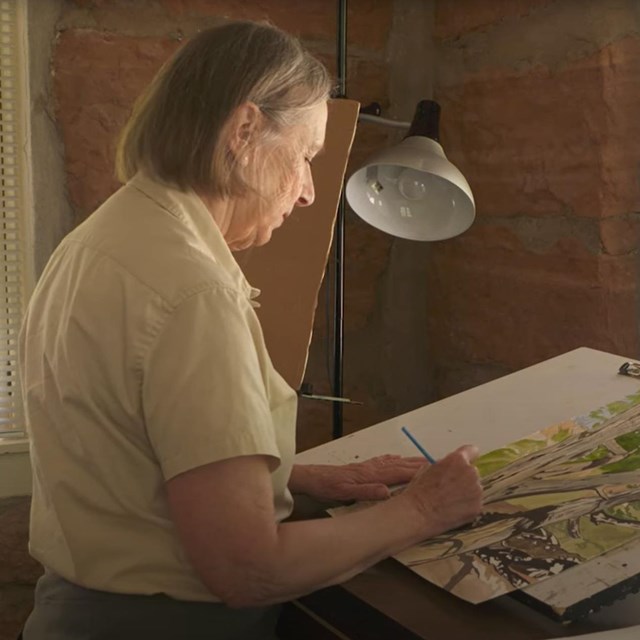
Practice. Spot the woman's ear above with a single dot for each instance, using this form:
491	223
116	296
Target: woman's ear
244	126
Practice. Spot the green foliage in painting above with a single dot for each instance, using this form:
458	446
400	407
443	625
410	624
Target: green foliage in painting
629	441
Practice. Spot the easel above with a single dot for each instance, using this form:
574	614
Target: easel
489	416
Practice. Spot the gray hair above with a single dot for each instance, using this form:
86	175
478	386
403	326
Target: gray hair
177	130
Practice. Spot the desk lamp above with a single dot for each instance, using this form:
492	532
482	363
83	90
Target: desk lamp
411	190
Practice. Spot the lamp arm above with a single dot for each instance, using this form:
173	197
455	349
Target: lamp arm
366	117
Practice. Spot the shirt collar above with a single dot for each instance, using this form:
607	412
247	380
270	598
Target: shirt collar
188	207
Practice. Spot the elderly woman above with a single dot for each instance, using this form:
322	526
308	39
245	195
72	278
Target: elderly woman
162	436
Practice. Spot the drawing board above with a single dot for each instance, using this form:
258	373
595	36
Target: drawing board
507	410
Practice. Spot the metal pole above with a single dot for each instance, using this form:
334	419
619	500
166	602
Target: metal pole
338	298
341	53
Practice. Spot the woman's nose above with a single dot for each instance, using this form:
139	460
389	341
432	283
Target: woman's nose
307	193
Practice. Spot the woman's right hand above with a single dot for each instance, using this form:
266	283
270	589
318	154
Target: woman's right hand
447	494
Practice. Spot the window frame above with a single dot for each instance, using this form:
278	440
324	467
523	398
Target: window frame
15	64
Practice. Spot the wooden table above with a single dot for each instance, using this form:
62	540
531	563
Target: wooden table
390	601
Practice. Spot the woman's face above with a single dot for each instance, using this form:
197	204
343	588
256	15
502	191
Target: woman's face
258	217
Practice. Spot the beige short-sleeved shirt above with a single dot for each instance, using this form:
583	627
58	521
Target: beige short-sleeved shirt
142	357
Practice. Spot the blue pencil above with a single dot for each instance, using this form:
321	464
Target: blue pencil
420	448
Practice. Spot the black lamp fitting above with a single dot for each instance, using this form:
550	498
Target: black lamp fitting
426	120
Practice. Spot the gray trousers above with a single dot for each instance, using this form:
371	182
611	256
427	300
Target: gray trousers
65	611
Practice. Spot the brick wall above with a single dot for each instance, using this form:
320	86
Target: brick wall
540	110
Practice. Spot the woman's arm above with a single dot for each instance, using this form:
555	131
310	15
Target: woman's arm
225	519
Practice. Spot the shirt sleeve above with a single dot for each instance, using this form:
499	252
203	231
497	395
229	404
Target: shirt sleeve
204	394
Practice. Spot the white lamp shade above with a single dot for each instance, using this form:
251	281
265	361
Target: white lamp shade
412	191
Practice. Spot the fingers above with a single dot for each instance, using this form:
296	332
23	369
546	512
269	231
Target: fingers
371	491
468	451
449	493
390	469
414	460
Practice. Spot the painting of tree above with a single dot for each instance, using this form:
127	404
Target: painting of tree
560	497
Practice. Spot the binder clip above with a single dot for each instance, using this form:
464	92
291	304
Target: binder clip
631	369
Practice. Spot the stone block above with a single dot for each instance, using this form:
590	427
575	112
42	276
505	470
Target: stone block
366	259
369	139
549	141
314	423
455	18
620	61
368	81
453	377
97	79
367	77
537	152
368	21
496	303
621	234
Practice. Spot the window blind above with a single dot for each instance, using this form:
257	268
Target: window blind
12	217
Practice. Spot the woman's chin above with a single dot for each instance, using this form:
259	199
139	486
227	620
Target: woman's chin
262	238
241	245
255	240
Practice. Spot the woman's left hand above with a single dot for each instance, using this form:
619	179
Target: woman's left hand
367	480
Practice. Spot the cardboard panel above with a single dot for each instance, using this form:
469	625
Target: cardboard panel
289	269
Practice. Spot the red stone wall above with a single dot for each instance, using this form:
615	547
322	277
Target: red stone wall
539	106
540	111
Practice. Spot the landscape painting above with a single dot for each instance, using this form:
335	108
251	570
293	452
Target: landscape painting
554	500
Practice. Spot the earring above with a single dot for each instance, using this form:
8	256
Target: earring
245	161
